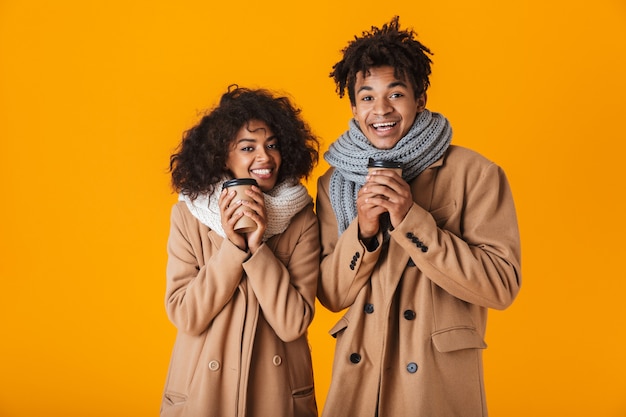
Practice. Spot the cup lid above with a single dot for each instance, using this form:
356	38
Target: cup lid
383	164
239	181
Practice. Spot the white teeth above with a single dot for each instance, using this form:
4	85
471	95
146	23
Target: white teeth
261	171
388	124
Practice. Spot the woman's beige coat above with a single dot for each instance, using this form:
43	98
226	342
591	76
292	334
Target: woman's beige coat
241	348
410	343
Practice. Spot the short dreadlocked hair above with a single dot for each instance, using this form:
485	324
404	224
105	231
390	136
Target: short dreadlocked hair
387	46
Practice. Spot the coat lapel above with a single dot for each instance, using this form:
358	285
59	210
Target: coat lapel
422	189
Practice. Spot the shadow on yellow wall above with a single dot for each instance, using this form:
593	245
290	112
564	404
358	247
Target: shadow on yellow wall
94	97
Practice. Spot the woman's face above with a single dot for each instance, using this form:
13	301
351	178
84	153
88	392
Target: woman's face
254	153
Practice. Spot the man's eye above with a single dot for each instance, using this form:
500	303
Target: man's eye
274	146
247	148
396	95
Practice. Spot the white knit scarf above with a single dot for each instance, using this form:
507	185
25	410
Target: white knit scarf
425	143
282	202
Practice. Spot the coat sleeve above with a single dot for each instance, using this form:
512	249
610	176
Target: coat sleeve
346	264
479	262
197	288
286	293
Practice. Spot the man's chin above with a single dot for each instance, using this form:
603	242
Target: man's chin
383	143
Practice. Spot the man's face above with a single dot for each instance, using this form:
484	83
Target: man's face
385	107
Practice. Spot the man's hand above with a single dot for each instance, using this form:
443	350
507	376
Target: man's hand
384	191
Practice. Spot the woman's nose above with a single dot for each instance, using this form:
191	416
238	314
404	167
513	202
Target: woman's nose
262	154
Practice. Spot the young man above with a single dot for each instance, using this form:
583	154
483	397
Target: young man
417	258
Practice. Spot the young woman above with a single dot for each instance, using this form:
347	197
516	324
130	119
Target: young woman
242	302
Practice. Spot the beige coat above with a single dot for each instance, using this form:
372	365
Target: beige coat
241	348
410	343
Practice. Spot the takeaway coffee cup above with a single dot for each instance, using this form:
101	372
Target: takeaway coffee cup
245	224
375	165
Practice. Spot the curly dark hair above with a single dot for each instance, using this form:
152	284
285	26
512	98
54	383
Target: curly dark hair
200	159
387	46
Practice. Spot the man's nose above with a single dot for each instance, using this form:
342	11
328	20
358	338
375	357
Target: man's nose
381	107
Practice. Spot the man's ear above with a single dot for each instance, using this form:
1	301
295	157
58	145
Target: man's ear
421	102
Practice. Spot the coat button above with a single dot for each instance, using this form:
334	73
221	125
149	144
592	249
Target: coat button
355	358
277	360
369	308
409	314
411	367
424	248
214	365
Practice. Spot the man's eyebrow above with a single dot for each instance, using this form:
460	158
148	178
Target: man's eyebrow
397	84
390	85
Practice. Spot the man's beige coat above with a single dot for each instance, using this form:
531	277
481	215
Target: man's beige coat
241	348
410	343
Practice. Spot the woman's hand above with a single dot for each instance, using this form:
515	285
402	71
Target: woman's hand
229	218
255	209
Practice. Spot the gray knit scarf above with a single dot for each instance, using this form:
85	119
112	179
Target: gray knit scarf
425	143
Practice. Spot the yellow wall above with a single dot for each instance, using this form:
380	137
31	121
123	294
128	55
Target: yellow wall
94	96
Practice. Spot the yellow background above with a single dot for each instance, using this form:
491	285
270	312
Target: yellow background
94	96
